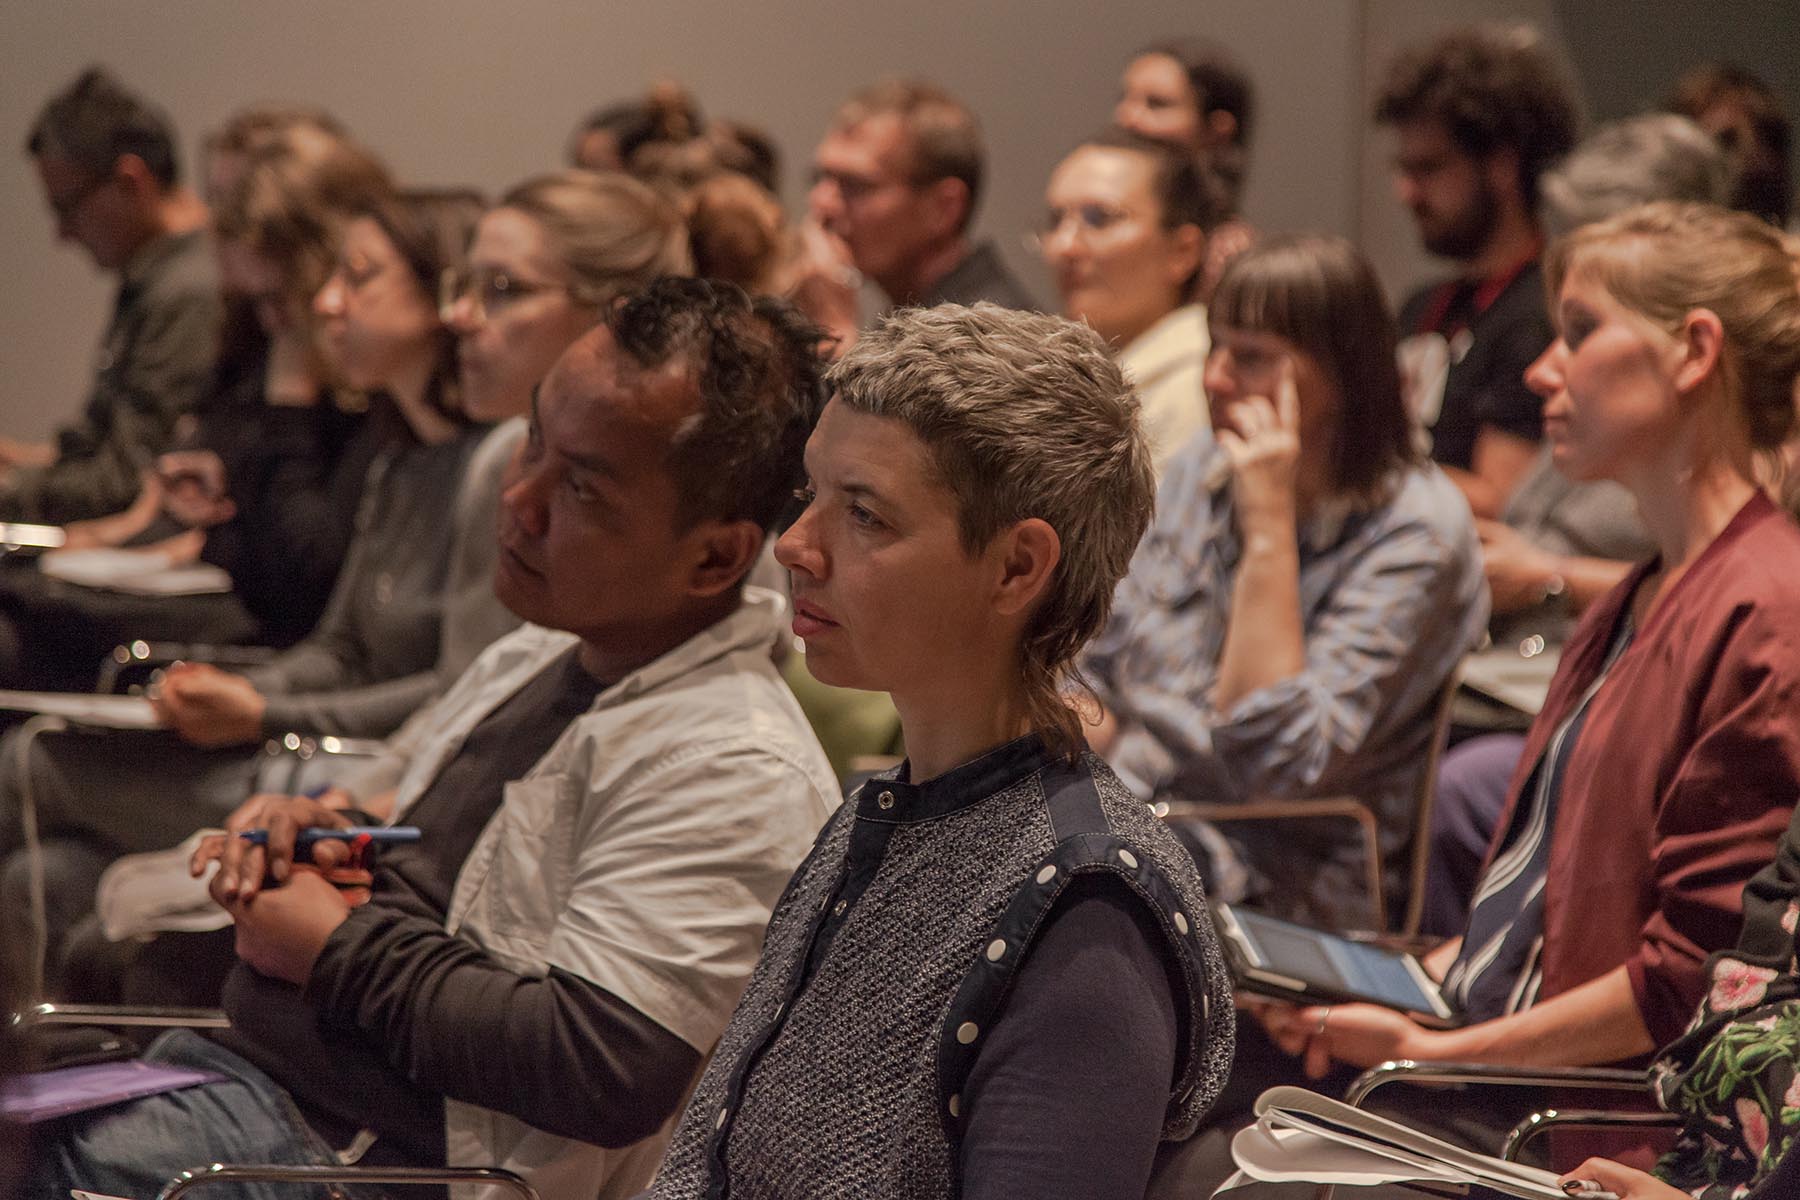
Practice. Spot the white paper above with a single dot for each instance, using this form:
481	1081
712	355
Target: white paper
1515	681
139	572
153	893
85	708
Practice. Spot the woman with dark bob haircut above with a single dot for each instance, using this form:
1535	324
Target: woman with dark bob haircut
1290	621
995	974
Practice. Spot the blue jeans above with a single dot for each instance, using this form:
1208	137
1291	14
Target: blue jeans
133	1149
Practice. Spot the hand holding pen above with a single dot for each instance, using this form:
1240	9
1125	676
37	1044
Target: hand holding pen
245	863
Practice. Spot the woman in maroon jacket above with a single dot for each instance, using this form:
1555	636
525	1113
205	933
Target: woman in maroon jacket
1662	770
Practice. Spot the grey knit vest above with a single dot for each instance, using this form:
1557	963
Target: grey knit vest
887	960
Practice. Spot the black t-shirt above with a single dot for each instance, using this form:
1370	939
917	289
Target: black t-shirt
1495	329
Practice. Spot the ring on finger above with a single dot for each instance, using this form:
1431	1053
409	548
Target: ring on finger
1323	1018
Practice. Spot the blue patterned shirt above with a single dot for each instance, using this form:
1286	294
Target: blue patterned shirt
1391	597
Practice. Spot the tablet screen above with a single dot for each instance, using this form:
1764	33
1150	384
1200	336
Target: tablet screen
1334	963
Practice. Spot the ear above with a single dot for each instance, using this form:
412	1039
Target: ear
1221	127
135	174
1502	171
1187	250
1027	554
1702	345
723	553
948	201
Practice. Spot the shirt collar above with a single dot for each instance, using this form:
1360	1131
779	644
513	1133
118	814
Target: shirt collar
898	802
151	256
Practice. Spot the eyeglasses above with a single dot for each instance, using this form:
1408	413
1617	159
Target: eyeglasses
492	291
1089	219
66	207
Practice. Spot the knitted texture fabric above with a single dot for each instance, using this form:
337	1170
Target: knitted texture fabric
838	1084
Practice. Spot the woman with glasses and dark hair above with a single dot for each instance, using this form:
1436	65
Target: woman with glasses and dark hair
1124	237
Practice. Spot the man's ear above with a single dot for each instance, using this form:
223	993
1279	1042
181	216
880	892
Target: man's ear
948	200
1028	553
1221	127
1501	169
1702	341
724	553
134	175
1187	251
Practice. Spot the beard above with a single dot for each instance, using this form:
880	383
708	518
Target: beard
1462	234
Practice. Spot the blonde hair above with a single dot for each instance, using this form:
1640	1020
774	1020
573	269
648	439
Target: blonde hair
613	233
1024	415
1665	260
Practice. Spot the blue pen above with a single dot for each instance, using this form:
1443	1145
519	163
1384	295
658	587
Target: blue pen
380	834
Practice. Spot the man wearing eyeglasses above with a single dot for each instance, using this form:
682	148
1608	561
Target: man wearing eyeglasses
895	184
107	163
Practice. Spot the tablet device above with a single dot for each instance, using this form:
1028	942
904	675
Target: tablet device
1293	962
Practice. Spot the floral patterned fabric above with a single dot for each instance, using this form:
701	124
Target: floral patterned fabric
1735	1074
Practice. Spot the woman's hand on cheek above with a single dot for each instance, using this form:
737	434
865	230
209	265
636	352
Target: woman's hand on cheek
1263	443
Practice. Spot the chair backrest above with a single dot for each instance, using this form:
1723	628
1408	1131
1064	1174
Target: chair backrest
1420	846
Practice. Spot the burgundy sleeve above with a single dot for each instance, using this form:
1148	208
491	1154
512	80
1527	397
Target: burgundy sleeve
1722	815
1068	1096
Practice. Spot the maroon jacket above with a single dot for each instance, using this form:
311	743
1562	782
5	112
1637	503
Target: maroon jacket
1687	769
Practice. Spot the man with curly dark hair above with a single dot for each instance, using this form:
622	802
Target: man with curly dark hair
1478	115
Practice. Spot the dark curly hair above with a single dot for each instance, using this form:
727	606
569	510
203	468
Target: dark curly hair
1493	87
757	368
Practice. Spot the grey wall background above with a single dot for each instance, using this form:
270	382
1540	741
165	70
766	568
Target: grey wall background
483	93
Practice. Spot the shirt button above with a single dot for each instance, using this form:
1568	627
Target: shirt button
1181	923
1046	875
956	1105
967	1032
996	949
1128	858
837	910
886	800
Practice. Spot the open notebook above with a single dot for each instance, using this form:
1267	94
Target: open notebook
1303	1137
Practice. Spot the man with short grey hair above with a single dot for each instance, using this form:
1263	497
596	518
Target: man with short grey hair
895	183
106	160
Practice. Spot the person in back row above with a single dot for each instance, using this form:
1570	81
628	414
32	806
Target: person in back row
1479	115
107	163
1124	236
995	974
896	181
611	799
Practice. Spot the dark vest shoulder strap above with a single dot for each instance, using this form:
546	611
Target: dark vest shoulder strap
1085	846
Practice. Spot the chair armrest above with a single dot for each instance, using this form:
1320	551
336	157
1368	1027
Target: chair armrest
120	1015
1612	1079
221	1173
1540	1123
1343	808
130	661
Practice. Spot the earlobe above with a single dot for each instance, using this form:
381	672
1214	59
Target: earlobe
952	203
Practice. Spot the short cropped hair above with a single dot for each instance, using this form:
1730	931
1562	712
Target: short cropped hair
1493	88
1654	156
96	121
1320	294
756	366
1023	415
944	135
